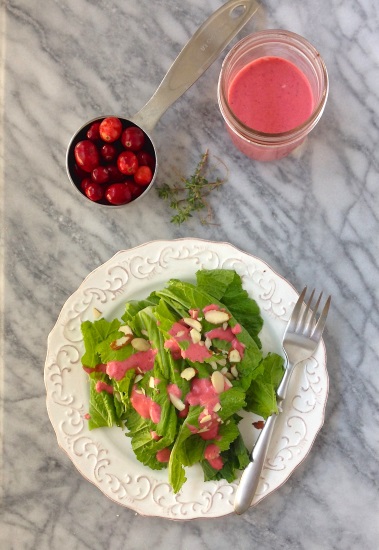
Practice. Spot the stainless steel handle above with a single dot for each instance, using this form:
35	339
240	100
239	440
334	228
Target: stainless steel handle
250	478
195	58
281	391
251	475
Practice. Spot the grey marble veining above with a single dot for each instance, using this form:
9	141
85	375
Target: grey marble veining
314	217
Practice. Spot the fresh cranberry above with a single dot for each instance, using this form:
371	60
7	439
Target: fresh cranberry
127	163
133	138
118	193
94	191
115	174
79	172
93	132
143	175
110	129
118	170
100	174
145	159
108	152
135	189
84	184
86	155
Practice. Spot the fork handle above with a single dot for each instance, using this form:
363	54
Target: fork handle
281	392
251	475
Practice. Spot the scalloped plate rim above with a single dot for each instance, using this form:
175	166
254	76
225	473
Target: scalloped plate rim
151	509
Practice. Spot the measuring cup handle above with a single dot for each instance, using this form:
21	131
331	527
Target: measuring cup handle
195	58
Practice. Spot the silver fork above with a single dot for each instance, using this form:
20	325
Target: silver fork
301	339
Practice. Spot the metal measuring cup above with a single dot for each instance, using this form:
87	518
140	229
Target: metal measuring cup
194	59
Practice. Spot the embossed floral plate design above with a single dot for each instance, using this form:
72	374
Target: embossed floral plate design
104	456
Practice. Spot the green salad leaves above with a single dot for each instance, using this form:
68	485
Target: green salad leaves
177	370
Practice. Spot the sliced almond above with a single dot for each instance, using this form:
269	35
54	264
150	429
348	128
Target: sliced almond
234	356
221	362
217	407
195	336
216	317
224	370
218	381
234	371
121	342
213	364
138	378
151	382
208	343
188	373
126	329
193	323
178	403
205	419
180	333
194	313
225	325
96	313
140	344
228	383
203	430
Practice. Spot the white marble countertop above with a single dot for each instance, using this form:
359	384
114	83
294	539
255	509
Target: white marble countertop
312	217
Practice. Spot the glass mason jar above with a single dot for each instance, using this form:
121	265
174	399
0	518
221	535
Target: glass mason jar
293	48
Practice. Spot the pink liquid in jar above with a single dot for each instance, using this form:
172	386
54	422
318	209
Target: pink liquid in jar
272	91
271	95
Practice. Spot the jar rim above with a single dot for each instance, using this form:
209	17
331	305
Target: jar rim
276	36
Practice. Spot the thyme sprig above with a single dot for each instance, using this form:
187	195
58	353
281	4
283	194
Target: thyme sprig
190	195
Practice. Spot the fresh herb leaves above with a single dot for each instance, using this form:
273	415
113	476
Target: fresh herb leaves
191	194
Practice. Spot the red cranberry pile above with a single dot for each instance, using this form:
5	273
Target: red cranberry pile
112	161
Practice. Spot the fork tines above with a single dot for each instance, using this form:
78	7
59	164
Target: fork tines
310	321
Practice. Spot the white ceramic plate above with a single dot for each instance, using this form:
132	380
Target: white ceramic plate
104	456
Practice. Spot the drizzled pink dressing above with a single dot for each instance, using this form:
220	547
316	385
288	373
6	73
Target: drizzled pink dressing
103	386
229	335
173	389
212	454
221	334
99	368
174	348
163	455
143	361
145	406
203	393
211	307
194	352
271	95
